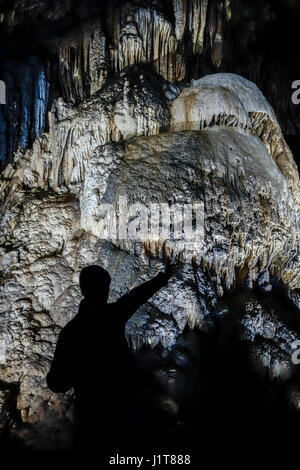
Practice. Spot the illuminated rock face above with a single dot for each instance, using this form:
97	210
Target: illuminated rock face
127	122
92	42
73	49
215	142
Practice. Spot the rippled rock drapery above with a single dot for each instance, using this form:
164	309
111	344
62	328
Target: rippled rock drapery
80	45
132	113
216	141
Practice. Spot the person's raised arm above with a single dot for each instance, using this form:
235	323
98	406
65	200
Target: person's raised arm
130	302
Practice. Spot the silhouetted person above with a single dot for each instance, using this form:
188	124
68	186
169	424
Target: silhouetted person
93	357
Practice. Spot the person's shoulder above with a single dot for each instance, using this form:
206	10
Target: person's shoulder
72	325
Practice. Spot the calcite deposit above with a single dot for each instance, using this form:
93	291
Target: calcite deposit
129	124
204	143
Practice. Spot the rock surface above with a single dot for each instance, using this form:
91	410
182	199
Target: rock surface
215	142
115	115
71	49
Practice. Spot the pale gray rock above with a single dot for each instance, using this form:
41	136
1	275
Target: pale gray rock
142	138
271	339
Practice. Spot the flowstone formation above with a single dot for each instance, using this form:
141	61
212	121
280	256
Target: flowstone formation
113	124
72	48
215	141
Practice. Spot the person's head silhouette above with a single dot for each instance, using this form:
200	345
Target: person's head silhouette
94	283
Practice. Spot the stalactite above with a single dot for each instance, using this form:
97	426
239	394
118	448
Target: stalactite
148	37
83	61
23	116
130	48
121	124
98	59
228	10
60	159
40	104
3	144
113	36
215	31
180	13
197	22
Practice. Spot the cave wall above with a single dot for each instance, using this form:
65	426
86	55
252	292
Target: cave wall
139	132
113	98
71	49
